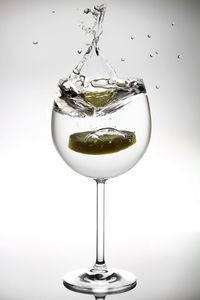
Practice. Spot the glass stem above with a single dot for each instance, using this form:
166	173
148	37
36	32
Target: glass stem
100	265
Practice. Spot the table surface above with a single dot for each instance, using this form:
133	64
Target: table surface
167	267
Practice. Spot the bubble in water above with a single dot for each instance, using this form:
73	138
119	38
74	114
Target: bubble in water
149	36
178	56
157	86
151	55
35	42
79	51
122	59
100	133
156	52
132	37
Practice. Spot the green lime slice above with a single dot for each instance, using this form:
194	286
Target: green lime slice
106	144
99	99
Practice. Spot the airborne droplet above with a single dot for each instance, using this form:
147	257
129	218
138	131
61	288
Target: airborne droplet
172	24
178	56
87	10
35	42
151	55
76	71
122	59
132	37
157	86
149	36
53	11
156	52
79	51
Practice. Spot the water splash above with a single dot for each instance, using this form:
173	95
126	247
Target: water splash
98	97
96	29
93	88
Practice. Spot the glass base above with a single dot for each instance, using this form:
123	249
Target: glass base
111	281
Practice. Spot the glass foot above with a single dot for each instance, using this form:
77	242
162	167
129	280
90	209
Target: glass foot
111	281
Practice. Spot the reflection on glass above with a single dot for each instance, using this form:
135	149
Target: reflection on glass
101	128
99	296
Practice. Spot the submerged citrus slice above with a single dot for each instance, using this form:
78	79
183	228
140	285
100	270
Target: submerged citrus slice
87	143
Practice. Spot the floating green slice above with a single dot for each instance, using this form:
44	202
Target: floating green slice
99	99
105	144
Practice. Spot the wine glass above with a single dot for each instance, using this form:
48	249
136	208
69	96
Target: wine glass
102	145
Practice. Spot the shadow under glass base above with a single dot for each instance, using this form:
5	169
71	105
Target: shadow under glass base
111	281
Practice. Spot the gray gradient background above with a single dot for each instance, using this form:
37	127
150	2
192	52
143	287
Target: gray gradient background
47	213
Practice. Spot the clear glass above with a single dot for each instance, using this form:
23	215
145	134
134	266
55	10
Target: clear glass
133	117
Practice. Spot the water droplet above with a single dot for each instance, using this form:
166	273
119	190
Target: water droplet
157	86
132	37
149	36
151	55
53	11
172	24
76	71
79	51
178	56
86	11
156	52
35	42
122	59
